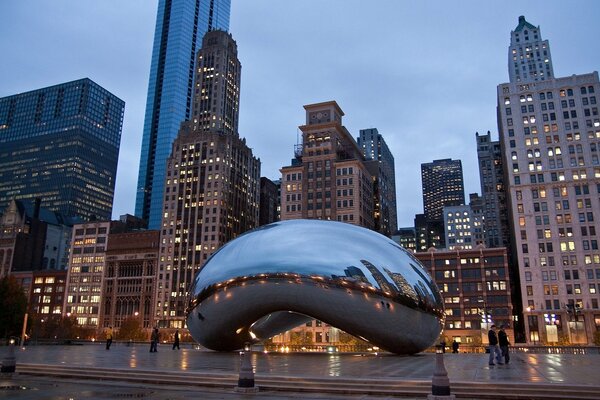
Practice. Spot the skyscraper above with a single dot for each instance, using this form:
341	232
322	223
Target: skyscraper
443	185
529	57
493	191
180	26
549	132
212	181
61	144
374	147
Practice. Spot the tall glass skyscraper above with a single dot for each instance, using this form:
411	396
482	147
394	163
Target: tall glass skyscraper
180	27
61	144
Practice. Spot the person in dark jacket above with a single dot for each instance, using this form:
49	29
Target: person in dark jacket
494	347
154	341
504	343
176	340
455	346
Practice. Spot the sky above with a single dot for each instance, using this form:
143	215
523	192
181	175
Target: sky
424	73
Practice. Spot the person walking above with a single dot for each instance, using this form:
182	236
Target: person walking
109	337
504	343
494	348
176	340
154	341
455	346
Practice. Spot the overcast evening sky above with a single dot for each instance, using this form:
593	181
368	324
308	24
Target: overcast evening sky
424	73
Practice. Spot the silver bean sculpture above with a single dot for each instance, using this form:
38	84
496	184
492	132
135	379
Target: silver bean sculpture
282	275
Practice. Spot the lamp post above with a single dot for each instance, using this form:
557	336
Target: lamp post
440	384
246	377
9	361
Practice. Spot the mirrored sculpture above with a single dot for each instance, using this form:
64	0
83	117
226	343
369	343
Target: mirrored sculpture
282	275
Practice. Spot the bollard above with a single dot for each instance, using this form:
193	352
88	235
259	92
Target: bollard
440	384
246	378
9	361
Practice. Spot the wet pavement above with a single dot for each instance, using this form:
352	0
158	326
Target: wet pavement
550	369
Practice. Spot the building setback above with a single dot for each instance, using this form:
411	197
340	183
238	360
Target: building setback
180	27
329	178
374	147
61	144
212	186
550	137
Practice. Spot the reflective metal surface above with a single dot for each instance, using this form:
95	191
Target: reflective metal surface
284	274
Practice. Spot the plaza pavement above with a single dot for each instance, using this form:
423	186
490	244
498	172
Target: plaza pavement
361	374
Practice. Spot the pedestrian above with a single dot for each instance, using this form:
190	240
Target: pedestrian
443	344
154	341
493	346
504	343
109	337
455	346
176	340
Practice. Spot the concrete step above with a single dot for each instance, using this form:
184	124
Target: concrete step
333	385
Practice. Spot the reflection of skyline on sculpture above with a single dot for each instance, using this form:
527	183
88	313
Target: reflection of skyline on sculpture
277	277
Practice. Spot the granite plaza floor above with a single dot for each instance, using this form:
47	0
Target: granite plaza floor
550	369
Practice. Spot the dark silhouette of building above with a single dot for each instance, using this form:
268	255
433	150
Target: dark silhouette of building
269	201
493	191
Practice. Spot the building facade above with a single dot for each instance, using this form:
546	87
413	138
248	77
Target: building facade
407	238
493	191
529	57
212	186
180	27
463	228
550	144
61	144
329	178
549	134
475	287
129	284
86	272
374	147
